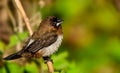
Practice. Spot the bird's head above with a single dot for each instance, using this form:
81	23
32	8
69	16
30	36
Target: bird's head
54	21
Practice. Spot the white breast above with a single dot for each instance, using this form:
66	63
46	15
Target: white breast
47	51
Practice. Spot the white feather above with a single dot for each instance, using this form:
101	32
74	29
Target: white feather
31	41
52	48
58	23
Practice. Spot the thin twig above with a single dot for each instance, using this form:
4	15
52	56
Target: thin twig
20	8
19	5
50	66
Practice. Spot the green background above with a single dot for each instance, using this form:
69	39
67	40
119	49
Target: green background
91	41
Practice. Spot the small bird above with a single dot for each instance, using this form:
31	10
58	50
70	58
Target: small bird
44	41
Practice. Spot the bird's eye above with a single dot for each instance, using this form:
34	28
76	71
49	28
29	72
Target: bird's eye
56	21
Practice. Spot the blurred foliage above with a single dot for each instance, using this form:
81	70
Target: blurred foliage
91	41
14	39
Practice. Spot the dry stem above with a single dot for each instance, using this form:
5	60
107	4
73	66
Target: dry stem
50	66
20	8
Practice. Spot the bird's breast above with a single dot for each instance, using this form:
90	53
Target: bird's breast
47	51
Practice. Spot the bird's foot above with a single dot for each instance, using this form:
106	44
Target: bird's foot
46	59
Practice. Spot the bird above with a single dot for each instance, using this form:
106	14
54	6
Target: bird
44	41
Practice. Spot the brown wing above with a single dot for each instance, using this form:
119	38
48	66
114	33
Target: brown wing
45	41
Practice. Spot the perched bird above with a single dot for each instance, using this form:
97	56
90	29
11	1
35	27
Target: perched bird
44	41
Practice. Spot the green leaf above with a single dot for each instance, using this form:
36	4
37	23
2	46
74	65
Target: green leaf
15	39
14	68
22	36
73	68
2	45
60	61
2	70
31	68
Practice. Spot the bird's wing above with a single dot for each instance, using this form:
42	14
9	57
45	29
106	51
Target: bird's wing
36	45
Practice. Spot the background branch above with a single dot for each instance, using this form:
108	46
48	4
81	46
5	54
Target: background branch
20	8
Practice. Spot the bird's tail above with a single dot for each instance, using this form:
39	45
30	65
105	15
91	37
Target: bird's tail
13	56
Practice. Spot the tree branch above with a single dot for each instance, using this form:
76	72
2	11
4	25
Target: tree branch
50	66
20	8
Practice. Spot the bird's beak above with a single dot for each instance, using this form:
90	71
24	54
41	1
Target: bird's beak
59	22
